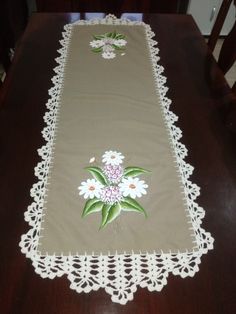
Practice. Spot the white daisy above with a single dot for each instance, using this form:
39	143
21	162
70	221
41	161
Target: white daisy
120	42
133	187
90	188
108	55
96	43
112	158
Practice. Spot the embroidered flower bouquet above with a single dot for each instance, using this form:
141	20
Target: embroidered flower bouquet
113	188
108	44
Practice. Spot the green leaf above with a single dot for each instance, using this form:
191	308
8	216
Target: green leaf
97	174
98	37
120	36
97	49
134	171
113	212
109	34
92	206
109	213
113	34
105	211
118	47
129	204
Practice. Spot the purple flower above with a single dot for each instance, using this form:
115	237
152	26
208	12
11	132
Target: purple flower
114	173
111	194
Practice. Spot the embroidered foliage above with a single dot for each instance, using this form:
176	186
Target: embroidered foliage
108	44
113	188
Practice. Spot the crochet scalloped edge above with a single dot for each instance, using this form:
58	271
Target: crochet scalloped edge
118	274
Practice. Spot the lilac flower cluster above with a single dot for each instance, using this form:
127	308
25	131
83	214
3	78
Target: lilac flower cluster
113	173
111	194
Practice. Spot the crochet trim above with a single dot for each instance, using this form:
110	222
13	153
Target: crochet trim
118	274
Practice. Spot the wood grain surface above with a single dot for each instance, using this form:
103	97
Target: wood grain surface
202	100
160	6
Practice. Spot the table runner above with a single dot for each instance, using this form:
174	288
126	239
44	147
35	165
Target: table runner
114	206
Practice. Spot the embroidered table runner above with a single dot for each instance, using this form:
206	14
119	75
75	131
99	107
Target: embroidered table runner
113	206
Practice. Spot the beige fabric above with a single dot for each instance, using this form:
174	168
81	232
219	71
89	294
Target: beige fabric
112	105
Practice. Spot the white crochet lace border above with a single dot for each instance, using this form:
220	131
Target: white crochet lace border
119	274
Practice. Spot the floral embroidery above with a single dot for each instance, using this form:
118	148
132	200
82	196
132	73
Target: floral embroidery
112	158
108	44
111	194
114	173
113	188
90	188
133	187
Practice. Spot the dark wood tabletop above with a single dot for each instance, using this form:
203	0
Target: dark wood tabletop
202	100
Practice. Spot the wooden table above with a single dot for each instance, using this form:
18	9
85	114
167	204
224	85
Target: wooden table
201	99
